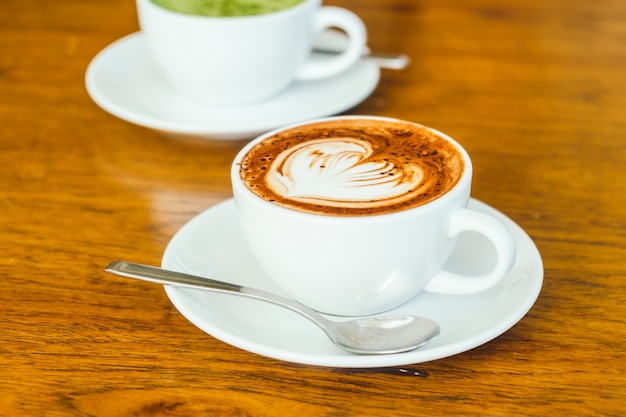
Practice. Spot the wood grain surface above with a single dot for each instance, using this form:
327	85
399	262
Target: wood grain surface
536	92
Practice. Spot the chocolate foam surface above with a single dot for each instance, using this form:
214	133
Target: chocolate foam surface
352	167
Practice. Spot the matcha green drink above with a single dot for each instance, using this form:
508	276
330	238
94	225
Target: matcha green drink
226	7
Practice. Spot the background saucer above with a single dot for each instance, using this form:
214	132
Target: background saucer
212	245
124	81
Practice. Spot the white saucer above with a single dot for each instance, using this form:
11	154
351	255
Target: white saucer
212	245
124	81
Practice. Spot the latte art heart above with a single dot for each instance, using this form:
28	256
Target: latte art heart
352	167
339	172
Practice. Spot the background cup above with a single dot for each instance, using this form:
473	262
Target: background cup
362	265
240	60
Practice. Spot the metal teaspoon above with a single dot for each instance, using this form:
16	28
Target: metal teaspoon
382	59
373	335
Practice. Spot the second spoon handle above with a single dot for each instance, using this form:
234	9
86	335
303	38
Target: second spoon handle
383	60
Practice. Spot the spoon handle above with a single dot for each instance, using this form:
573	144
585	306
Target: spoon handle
383	60
387	60
166	277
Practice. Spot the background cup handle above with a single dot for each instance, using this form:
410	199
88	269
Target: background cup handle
336	17
469	220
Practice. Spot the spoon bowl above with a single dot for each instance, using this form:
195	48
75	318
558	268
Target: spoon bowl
369	335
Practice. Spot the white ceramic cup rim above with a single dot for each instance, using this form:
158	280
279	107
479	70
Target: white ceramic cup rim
228	20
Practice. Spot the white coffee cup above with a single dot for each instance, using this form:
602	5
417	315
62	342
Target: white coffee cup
246	59
364	264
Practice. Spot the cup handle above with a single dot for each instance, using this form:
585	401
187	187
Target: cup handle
351	24
469	220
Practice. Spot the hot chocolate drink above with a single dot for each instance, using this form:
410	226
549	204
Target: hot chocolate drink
352	167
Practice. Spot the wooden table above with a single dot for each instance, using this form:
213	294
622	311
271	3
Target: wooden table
536	91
